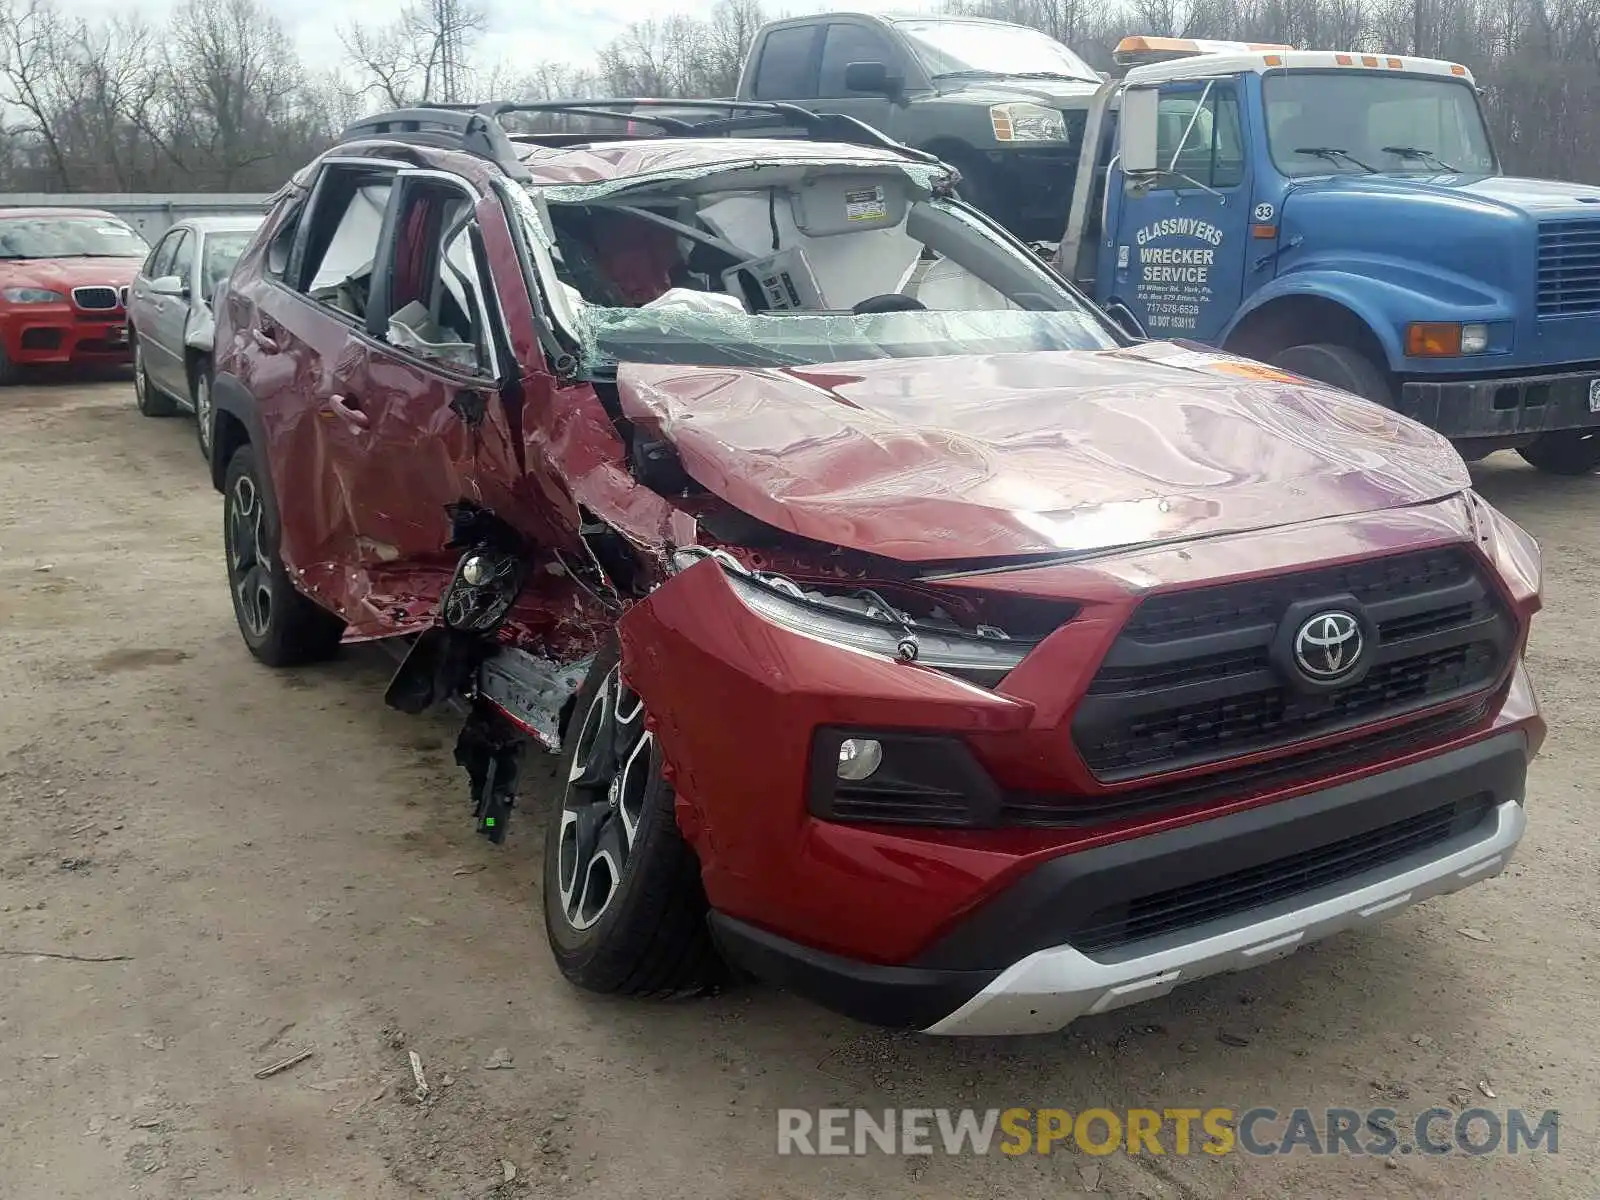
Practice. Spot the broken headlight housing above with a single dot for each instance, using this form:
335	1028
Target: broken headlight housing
864	621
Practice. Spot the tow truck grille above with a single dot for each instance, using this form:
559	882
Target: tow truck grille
1569	268
1191	680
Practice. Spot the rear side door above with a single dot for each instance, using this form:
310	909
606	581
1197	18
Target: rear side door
304	321
785	64
1177	258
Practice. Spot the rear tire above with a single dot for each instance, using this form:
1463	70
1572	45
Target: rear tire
151	401
1338	366
624	907
1564	452
281	627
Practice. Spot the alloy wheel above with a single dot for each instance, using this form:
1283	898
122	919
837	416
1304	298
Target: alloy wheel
612	770
202	413
249	561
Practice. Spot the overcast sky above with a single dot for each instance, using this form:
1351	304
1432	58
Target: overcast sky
520	30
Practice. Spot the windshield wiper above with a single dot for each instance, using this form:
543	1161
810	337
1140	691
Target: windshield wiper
1418	152
970	73
1044	75
1334	154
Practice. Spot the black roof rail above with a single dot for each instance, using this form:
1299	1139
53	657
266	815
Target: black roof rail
447	126
477	129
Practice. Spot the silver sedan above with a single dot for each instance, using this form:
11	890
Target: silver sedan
170	319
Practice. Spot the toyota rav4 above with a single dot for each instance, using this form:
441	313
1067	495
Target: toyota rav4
909	635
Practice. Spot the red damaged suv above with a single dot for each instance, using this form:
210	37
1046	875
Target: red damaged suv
909	635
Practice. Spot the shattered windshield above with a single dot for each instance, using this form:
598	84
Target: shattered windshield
820	266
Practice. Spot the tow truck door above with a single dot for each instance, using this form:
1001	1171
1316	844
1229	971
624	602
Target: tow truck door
1177	255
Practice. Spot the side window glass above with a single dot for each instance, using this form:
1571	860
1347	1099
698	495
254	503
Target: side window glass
183	258
341	240
161	260
1198	136
437	308
787	67
844	45
148	269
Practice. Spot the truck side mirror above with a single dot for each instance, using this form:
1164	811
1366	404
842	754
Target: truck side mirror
872	78
1137	128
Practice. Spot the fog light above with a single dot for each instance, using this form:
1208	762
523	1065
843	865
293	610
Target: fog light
859	758
1474	339
477	570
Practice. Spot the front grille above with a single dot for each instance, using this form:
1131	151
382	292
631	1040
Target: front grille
1191	679
97	299
1569	268
1035	811
1253	887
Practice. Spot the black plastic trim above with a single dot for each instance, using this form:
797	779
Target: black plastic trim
1047	906
896	997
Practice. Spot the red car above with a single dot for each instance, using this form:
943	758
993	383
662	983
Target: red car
909	635
64	276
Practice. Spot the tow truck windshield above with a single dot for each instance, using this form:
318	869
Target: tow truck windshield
1323	122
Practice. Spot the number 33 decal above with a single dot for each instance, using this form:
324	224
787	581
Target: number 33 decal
1265	213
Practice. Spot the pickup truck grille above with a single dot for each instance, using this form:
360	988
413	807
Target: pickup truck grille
1569	268
1194	679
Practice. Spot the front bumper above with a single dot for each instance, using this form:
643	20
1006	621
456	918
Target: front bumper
46	334
1036	958
1505	408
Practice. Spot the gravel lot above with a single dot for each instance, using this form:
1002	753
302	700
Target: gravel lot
286	864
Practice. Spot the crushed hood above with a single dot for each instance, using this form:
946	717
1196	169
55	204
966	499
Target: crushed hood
977	457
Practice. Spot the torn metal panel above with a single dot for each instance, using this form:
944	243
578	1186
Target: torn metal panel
531	691
987	456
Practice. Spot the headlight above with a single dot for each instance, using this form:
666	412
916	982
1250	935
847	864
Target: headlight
26	295
865	622
1027	123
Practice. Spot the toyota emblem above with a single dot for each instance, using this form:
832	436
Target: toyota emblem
1328	645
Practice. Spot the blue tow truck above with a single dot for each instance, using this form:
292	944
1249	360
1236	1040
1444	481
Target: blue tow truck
1343	216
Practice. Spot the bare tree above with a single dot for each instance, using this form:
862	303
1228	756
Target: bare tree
423	55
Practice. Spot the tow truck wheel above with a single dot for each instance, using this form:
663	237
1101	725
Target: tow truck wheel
1564	452
624	908
280	626
1339	366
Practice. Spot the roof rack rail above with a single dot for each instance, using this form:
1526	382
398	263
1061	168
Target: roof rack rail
477	128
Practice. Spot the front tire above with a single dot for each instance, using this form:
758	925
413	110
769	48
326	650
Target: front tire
624	907
1564	452
280	626
1338	366
200	392
151	401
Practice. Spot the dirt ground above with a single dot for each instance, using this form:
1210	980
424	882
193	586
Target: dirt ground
279	863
